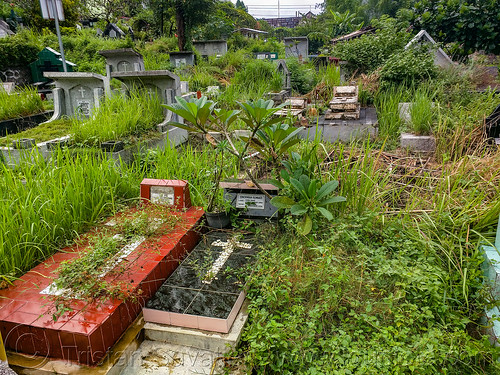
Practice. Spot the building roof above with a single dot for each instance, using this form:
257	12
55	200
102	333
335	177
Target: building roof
251	30
354	34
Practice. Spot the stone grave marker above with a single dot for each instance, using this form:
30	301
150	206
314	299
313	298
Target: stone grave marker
49	60
113	31
440	57
76	93
123	60
249	200
5	30
184	58
172	192
210	47
266	55
297	46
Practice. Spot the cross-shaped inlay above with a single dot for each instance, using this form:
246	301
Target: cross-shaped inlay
227	249
82	91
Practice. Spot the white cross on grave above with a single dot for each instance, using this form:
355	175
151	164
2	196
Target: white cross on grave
82	91
227	249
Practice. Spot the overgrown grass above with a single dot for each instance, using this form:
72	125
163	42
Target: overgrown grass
23	102
387	104
119	117
422	112
41	133
45	203
363	296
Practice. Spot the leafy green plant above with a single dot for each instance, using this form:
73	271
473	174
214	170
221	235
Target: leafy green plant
309	197
302	76
408	67
274	141
370	51
196	112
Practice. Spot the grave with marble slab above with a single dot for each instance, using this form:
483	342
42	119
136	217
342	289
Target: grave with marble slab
206	291
86	332
248	200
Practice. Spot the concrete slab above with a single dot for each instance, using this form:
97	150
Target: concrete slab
203	340
418	143
344	130
159	358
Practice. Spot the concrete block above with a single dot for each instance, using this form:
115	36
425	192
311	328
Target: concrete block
204	340
418	143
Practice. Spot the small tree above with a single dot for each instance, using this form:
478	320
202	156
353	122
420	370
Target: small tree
189	14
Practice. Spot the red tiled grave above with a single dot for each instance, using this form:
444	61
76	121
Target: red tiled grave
87	332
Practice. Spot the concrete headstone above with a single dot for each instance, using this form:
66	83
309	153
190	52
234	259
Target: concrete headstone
180	59
440	57
297	47
123	60
211	47
76	93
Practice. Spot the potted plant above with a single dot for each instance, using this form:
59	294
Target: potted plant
217	213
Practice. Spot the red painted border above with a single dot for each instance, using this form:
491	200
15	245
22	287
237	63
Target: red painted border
85	334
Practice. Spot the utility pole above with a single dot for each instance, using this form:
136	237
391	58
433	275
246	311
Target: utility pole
53	9
278	8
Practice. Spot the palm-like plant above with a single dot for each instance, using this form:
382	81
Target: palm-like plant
274	141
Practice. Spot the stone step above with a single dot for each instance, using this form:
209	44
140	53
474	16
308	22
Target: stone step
204	340
160	358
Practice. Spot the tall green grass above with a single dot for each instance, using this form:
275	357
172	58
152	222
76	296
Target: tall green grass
422	111
44	204
21	103
41	133
387	105
119	117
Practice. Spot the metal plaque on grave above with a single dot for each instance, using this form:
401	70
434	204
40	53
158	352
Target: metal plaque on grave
82	100
247	198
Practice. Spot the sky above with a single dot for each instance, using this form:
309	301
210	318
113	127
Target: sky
288	8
